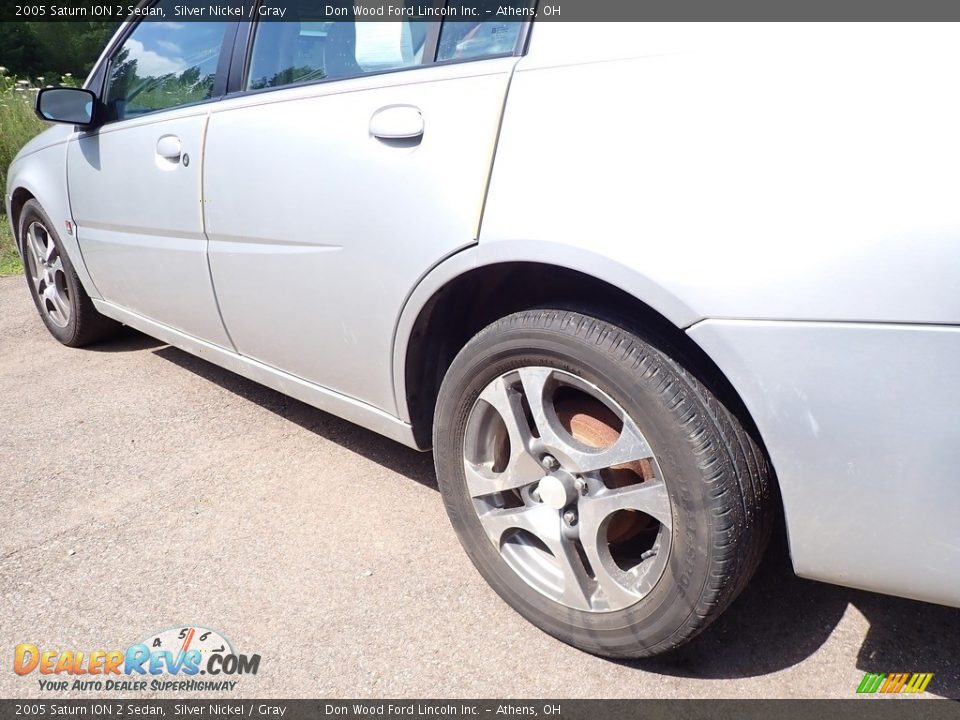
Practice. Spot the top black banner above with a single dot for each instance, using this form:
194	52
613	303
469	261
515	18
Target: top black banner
481	10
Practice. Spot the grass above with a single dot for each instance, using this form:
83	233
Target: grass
18	123
9	259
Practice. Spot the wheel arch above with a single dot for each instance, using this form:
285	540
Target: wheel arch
473	288
41	175
19	198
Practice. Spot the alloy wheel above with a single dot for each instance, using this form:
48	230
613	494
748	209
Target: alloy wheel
47	274
568	489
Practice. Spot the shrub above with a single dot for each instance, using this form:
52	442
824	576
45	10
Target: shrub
18	122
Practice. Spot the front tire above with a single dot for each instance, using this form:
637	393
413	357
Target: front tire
63	304
601	490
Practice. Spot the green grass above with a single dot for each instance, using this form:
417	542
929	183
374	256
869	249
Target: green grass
18	123
9	259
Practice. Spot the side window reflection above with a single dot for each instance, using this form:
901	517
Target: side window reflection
296	52
162	65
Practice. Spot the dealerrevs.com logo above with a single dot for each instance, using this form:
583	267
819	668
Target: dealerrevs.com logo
171	660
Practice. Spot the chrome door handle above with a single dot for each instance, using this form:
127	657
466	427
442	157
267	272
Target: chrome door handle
168	146
397	122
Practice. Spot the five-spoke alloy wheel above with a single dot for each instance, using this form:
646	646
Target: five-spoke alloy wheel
63	304
45	267
596	483
568	489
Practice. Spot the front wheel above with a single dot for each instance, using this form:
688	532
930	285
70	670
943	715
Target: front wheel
599	488
63	304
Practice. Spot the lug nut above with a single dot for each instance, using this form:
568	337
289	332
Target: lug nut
581	485
570	517
550	462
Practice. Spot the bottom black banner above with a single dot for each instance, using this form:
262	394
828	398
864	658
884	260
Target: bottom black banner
892	708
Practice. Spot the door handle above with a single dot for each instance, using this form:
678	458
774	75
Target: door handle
397	122
168	146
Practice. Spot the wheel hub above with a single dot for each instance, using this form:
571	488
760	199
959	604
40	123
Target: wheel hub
557	490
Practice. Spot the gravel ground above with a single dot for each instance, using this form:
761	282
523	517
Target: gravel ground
142	488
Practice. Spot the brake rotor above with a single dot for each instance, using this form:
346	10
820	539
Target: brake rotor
592	423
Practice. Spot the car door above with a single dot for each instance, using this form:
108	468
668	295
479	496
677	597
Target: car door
135	180
348	164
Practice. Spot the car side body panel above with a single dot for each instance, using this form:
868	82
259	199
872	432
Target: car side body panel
138	235
312	268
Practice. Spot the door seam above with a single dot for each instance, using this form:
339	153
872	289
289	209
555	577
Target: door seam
206	236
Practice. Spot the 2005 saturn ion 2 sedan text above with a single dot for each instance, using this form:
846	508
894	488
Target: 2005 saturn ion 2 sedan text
641	287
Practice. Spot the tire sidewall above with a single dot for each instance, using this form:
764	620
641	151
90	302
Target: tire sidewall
666	609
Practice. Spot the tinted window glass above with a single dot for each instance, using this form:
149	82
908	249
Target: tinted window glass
474	39
294	52
162	65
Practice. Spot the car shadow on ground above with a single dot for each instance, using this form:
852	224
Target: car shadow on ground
779	621
416	466
126	340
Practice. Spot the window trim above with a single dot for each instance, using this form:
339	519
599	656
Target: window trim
101	74
243	51
519	47
432	43
240	57
523	41
241	67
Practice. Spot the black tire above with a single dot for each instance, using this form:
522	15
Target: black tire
717	478
85	325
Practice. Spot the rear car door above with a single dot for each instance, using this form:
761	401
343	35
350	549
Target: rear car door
135	180
344	167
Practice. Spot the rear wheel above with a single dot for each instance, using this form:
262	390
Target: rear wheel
63	304
599	488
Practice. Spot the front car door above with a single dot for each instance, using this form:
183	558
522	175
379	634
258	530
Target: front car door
364	163
135	180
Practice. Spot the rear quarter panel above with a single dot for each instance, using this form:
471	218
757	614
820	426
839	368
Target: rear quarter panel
812	168
789	193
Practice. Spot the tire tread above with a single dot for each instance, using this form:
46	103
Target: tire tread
735	468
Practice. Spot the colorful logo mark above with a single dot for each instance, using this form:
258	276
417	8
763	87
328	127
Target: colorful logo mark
894	683
184	651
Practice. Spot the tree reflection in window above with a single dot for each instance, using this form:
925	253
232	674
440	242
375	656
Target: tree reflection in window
163	65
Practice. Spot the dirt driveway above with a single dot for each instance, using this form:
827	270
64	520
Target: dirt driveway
143	489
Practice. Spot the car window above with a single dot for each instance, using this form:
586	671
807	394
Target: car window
294	52
162	65
473	40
